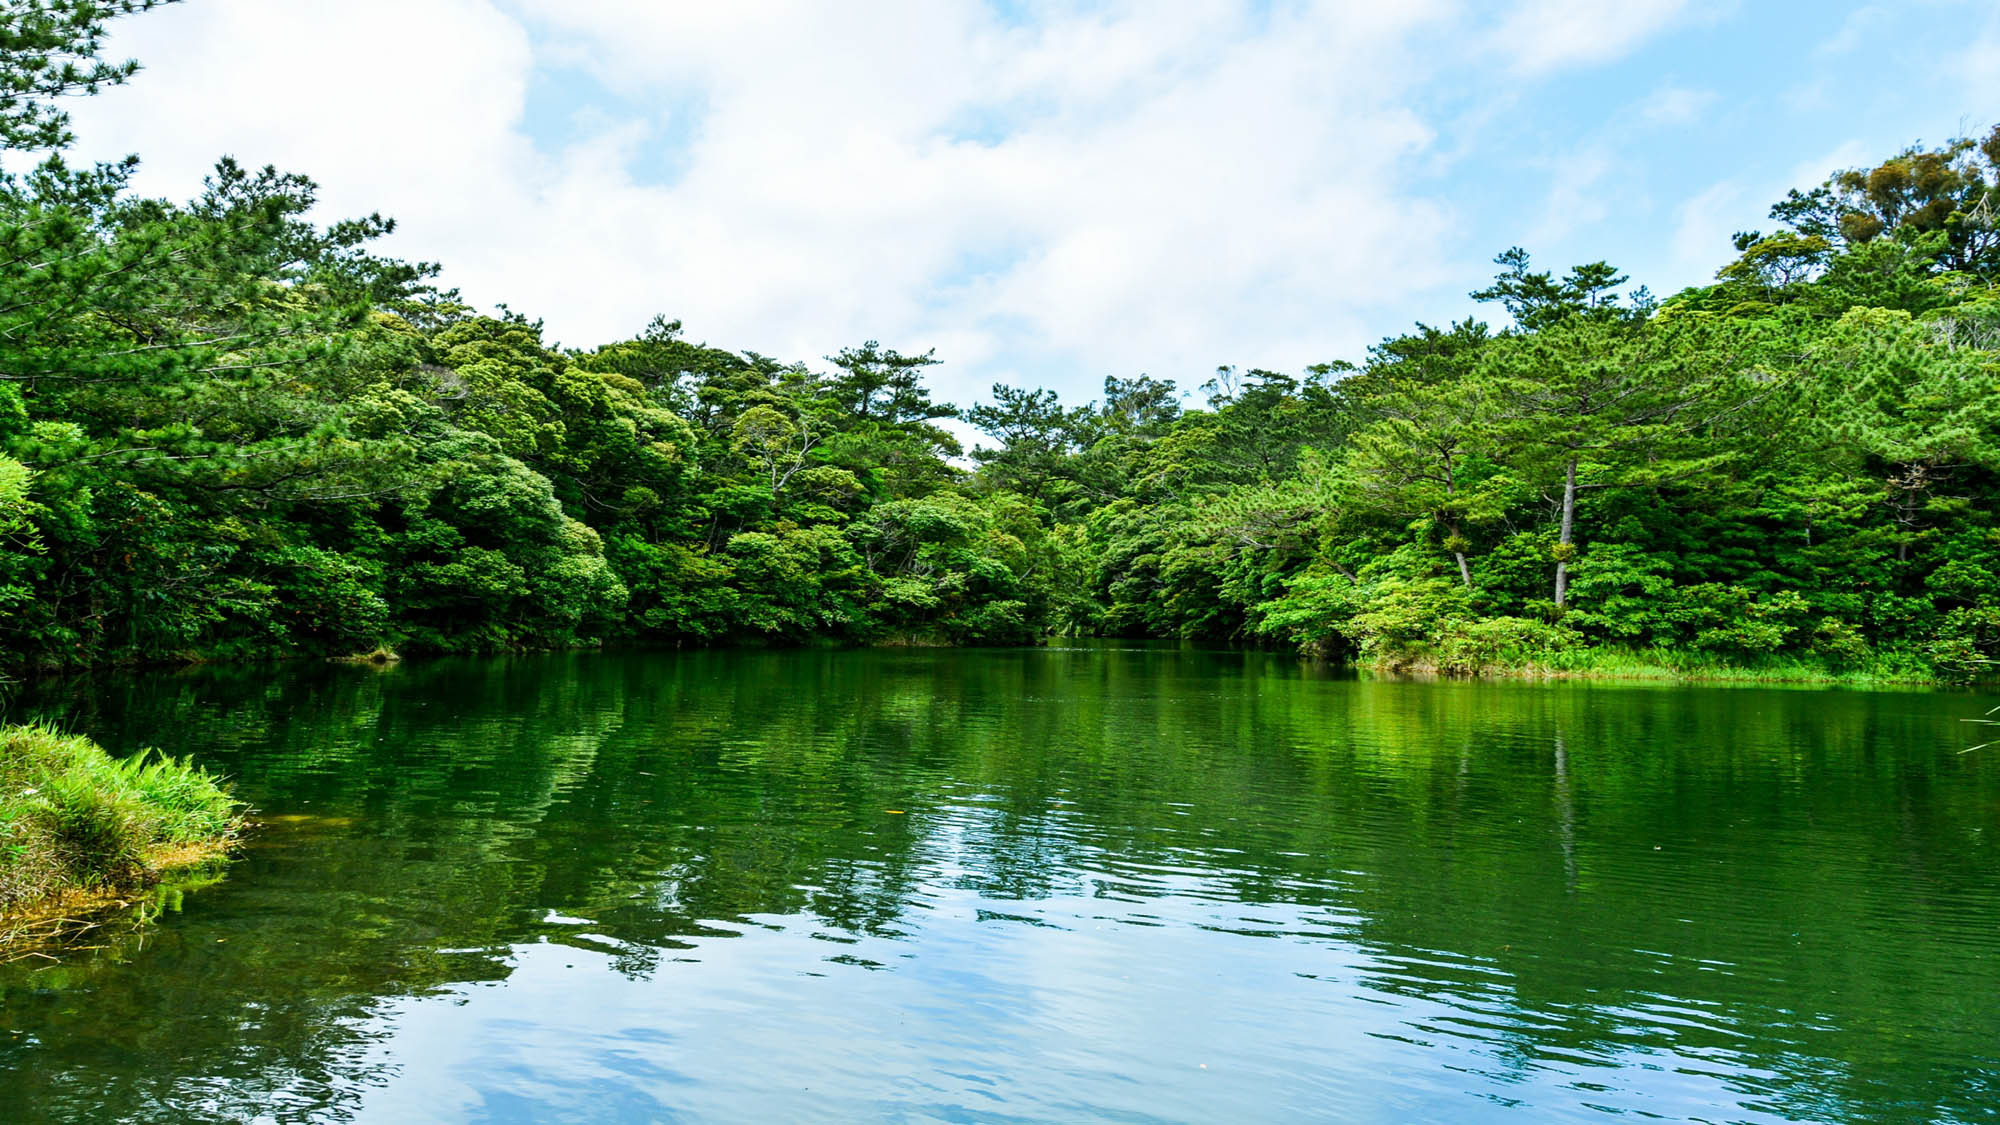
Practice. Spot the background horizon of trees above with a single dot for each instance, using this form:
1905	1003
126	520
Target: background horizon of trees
227	430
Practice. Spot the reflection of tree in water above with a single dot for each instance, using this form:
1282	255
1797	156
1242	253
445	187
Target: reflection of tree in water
1735	853
386	870
1565	802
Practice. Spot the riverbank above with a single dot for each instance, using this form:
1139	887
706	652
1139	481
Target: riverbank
1453	658
1663	665
81	831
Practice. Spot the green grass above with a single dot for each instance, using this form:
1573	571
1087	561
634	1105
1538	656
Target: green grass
1612	663
1618	663
73	818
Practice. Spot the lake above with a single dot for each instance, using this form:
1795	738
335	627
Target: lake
1098	882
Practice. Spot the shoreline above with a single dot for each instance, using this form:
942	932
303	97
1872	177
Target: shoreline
1597	664
82	832
33	928
1664	675
1610	665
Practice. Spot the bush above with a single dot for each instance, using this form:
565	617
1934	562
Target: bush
1500	643
1312	614
1967	644
1840	644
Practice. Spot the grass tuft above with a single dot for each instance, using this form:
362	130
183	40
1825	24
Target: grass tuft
75	819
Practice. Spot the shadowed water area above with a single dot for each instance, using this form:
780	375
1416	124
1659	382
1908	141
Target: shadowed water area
1092	883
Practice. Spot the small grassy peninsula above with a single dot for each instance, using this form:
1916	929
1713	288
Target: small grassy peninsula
80	830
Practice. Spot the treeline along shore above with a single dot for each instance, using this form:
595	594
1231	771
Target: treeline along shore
228	432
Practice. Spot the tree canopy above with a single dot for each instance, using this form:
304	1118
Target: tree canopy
229	430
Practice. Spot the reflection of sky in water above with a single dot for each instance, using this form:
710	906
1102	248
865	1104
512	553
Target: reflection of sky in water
1128	885
1132	996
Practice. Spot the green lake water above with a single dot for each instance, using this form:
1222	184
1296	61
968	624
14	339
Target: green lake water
1090	883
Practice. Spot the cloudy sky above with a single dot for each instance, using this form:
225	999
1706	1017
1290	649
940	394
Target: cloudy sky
1045	191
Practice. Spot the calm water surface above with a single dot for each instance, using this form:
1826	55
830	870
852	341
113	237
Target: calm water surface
1100	883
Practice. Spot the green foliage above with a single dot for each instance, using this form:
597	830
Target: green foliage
229	431
49	50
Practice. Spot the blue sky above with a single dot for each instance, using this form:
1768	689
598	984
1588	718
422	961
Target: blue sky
1046	192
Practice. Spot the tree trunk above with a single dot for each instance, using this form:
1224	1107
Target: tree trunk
1464	568
1568	526
1451	525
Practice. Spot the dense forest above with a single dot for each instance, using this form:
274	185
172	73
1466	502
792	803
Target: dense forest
228	431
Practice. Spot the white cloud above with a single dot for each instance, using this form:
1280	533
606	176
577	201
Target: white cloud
1814	170
1857	30
1978	68
1814	96
1128	187
1577	194
1676	105
1704	224
1543	35
419	122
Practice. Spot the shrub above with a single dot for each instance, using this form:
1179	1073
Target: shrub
1500	642
1840	644
1966	645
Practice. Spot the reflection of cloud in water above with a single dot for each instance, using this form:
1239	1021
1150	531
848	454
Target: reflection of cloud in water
1162	882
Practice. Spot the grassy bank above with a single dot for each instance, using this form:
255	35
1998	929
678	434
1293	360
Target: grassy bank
80	829
1609	663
